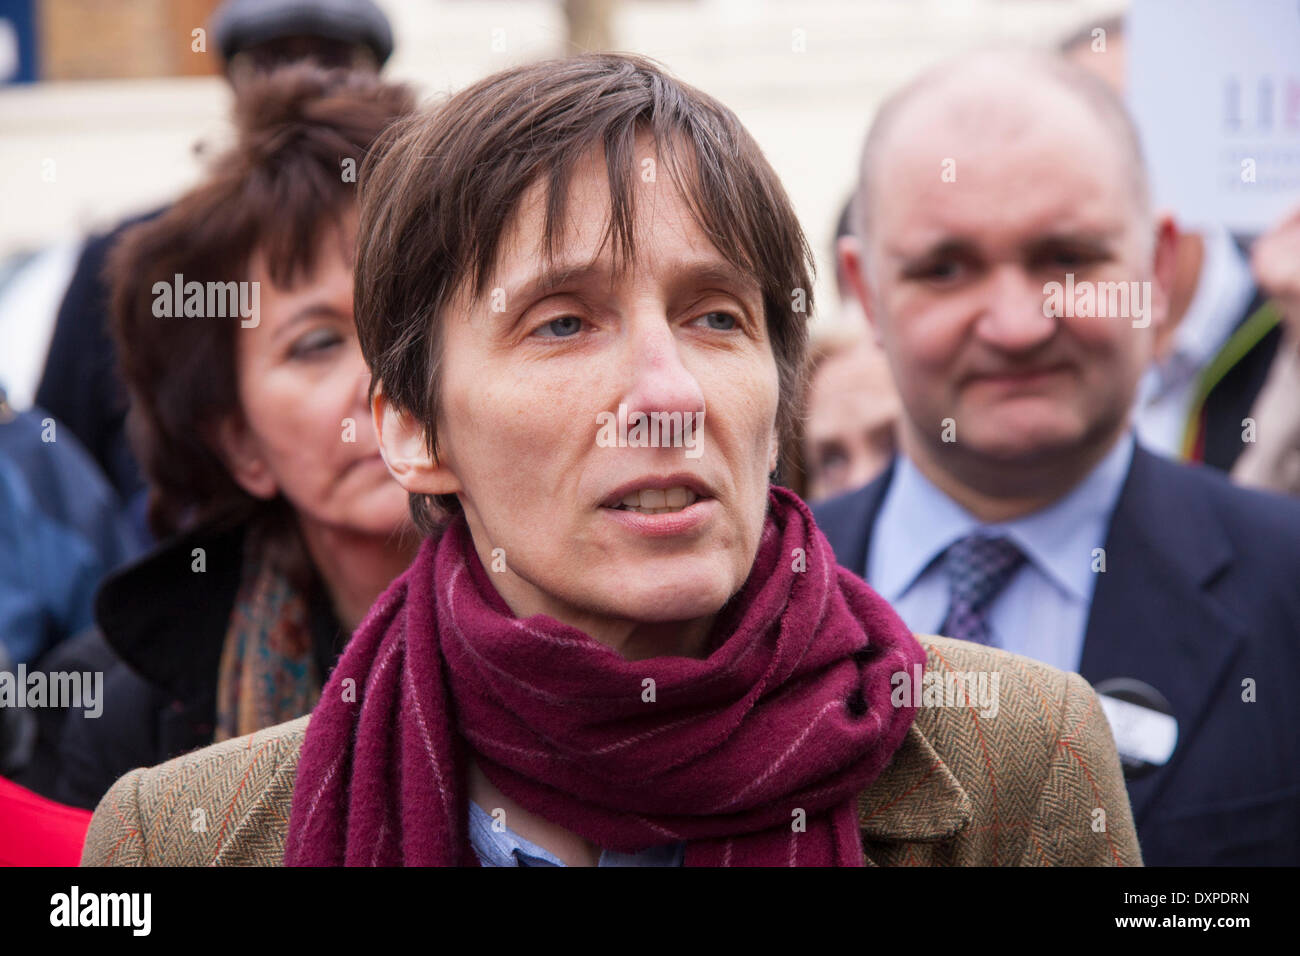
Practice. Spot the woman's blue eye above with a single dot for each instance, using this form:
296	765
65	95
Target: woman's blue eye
721	321
562	328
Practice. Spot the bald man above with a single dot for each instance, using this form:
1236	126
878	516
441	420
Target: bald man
1011	267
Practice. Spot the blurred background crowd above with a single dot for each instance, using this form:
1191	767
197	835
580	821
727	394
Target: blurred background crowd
112	109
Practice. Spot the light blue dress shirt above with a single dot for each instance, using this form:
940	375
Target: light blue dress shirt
507	848
1043	610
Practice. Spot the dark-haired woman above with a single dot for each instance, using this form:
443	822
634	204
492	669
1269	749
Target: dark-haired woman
234	325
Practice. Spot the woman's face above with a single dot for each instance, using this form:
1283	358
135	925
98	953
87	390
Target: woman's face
852	410
595	526
305	431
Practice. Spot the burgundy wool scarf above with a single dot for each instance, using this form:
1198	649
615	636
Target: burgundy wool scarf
755	755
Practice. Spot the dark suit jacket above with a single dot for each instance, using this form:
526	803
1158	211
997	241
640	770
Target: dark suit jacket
1233	396
81	385
1201	593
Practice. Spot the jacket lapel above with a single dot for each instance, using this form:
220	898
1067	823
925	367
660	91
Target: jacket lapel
916	800
1152	617
848	521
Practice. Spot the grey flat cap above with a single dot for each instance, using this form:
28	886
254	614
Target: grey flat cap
240	24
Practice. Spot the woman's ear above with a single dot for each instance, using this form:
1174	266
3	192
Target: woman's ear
406	453
243	458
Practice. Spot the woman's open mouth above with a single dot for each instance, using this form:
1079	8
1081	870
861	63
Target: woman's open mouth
661	506
657	501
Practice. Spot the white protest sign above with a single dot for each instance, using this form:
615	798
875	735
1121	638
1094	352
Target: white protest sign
1215	88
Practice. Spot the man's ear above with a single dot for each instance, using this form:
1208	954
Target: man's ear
238	448
401	442
1164	267
851	252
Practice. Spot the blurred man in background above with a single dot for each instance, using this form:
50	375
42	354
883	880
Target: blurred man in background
1021	512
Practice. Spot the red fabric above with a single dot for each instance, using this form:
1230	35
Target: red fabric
1197	451
790	711
39	832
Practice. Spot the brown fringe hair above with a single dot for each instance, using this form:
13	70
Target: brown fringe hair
436	198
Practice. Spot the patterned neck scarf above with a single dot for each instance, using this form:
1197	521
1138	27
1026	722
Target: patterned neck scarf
268	672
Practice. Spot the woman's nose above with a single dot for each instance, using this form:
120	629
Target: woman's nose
660	378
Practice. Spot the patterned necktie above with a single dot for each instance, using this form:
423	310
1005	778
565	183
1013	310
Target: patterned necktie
978	568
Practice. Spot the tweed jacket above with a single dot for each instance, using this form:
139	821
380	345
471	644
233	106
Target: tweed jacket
1038	782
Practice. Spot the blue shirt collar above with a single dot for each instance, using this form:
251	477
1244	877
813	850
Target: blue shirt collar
918	522
501	846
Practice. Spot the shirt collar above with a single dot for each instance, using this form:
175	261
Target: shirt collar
504	847
918	522
1060	538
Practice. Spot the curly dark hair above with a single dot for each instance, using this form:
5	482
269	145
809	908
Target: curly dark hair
284	184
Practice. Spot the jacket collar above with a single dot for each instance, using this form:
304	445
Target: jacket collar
849	520
166	614
917	799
